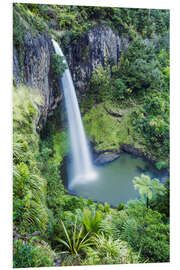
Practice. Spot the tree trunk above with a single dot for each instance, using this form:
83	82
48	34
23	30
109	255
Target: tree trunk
147	202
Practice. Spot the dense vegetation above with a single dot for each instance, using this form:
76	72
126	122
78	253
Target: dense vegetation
138	89
52	227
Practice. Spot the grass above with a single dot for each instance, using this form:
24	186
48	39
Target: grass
109	132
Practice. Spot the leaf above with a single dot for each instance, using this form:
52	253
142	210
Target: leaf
67	236
62	241
146	186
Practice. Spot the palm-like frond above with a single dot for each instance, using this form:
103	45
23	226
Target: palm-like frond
147	186
75	242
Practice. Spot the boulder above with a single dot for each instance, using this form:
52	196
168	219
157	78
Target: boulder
104	158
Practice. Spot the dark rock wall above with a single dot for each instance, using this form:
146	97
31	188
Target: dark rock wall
97	46
36	70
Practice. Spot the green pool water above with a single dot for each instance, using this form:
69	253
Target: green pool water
114	180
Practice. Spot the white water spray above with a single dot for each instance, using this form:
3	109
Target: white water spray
82	169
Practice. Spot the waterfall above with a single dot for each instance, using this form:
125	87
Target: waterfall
82	169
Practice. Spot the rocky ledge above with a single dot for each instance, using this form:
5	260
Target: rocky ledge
106	156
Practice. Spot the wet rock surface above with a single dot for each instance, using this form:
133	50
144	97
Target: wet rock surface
104	158
136	152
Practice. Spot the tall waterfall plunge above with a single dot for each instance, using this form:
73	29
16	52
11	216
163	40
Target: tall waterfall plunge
82	169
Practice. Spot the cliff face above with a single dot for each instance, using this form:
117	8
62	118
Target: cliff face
36	70
95	47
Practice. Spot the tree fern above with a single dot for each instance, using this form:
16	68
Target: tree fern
146	186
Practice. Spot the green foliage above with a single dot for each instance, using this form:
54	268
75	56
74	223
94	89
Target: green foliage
53	147
119	90
76	241
145	231
116	223
109	132
140	69
136	225
161	165
148	72
109	251
160	202
32	22
72	203
22	254
145	21
25	104
29	188
106	207
141	79
50	161
99	86
92	219
146	186
29	254
58	65
18	28
120	206
61	145
152	121
136	89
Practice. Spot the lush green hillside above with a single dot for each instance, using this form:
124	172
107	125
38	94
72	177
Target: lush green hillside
127	103
139	89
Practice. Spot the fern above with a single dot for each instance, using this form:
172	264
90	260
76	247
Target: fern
29	188
92	220
106	250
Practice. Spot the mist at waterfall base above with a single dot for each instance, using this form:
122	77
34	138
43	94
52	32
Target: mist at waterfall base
81	168
110	183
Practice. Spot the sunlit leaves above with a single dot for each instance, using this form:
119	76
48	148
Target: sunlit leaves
92	219
146	186
75	241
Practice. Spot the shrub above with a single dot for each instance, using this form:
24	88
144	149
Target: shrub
32	255
145	231
119	89
161	165
58	65
92	219
29	188
109	251
112	224
99	85
75	241
160	203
